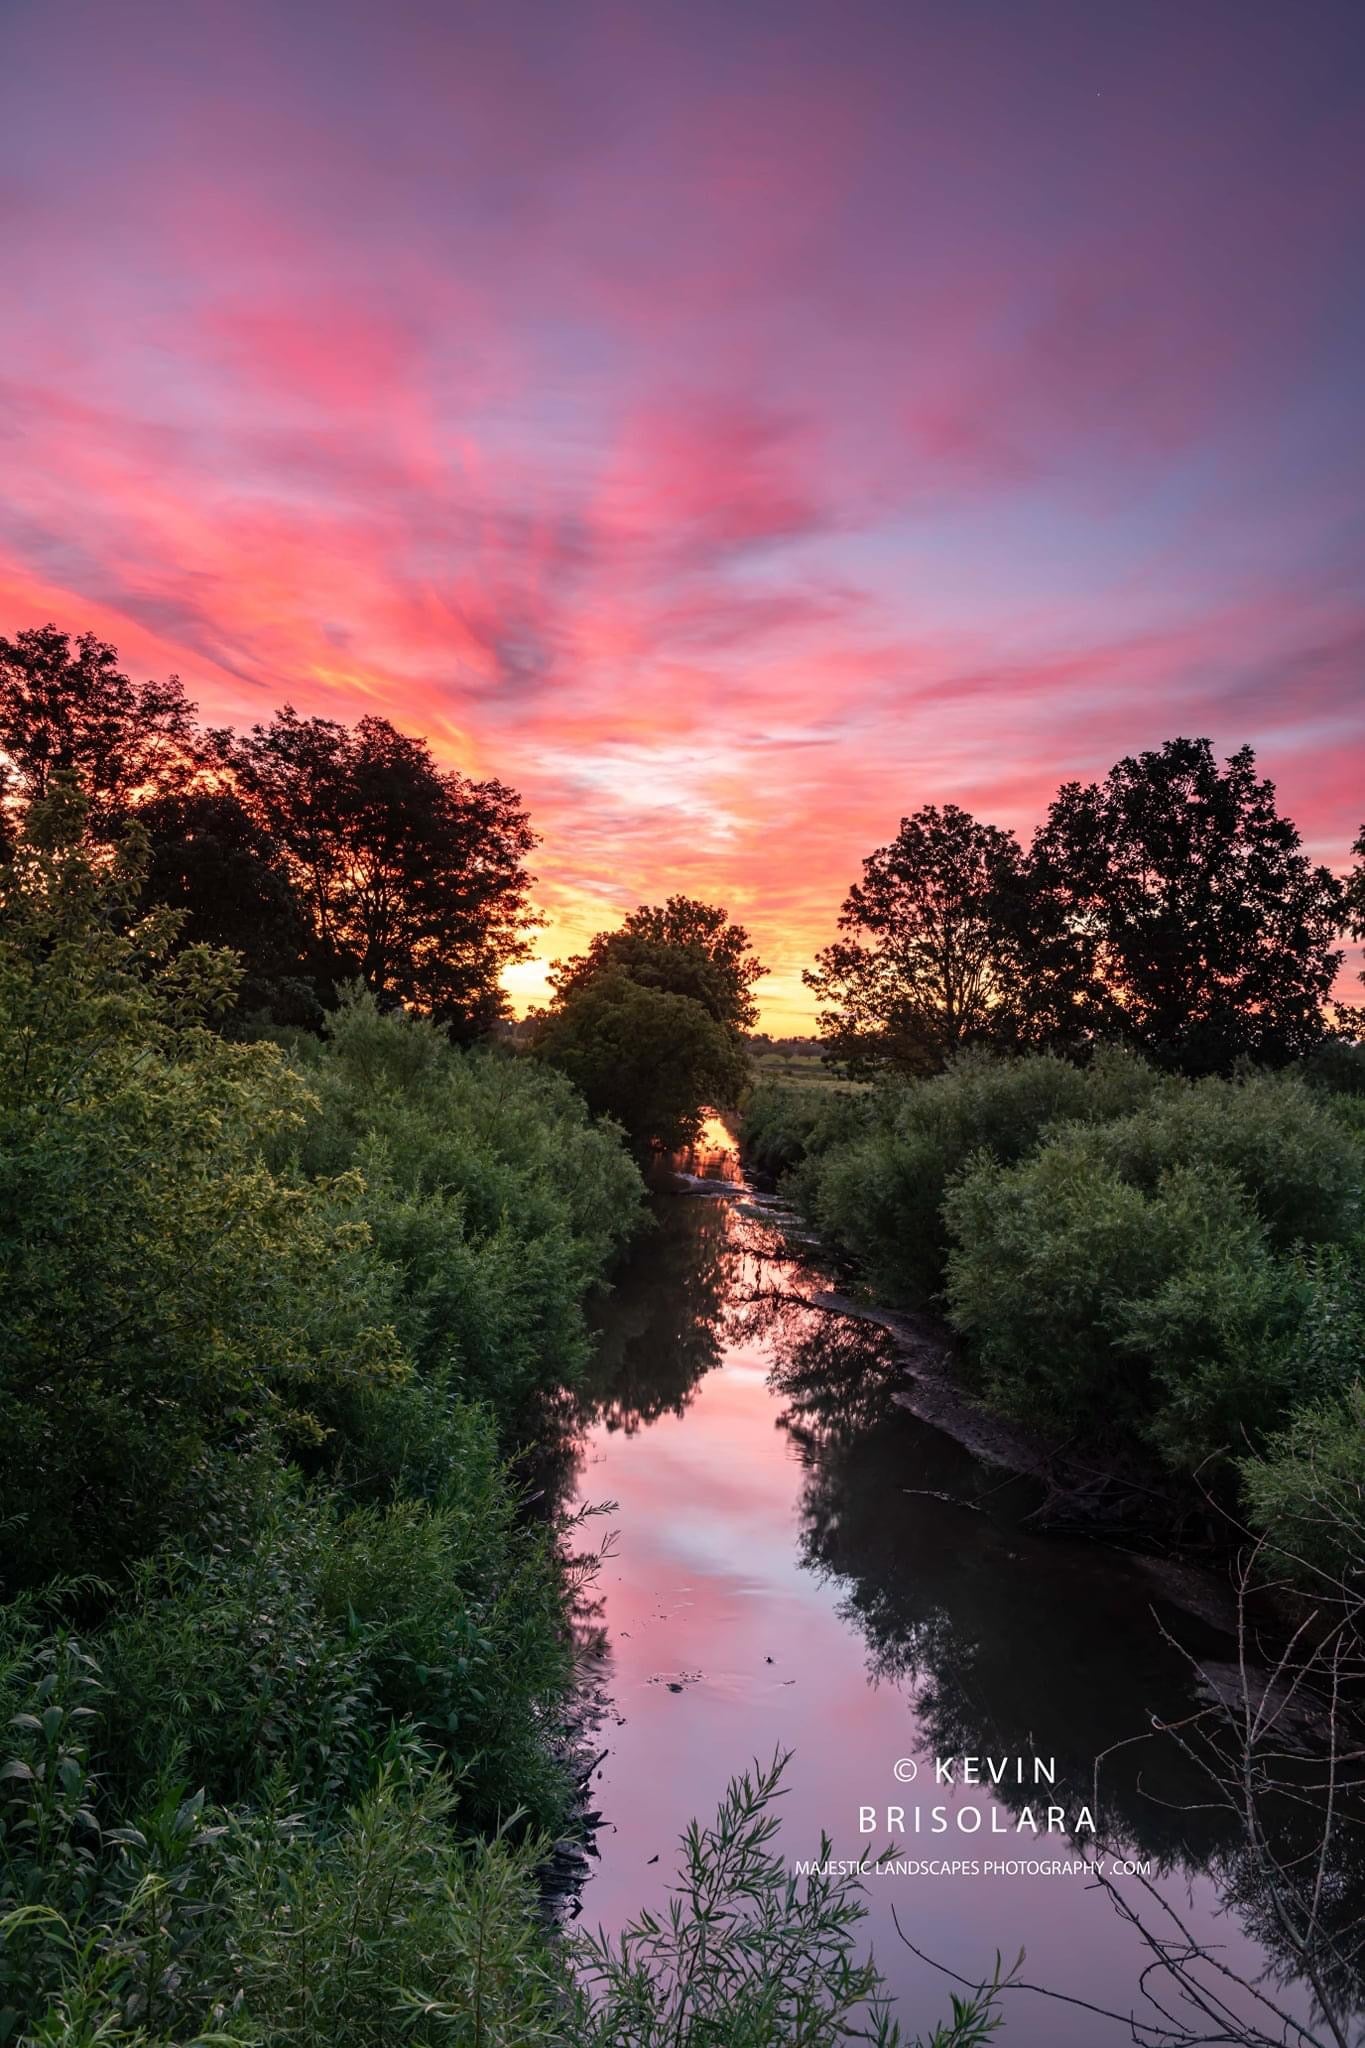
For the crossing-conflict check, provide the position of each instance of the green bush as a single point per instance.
(486, 1186)
(880, 1195)
(1100, 1307)
(198, 1924)
(162, 1291)
(296, 1635)
(785, 1123)
(1142, 1275)
(1306, 1492)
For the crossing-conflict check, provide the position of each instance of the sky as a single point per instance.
(732, 425)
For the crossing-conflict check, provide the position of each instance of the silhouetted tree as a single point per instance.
(208, 857)
(68, 709)
(412, 878)
(1354, 901)
(1211, 930)
(682, 947)
(934, 956)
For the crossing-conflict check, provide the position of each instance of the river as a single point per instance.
(799, 1563)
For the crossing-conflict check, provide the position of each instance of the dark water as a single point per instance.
(802, 1564)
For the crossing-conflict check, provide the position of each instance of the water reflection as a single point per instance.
(1008, 1642)
(803, 1563)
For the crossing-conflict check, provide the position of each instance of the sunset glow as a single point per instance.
(733, 426)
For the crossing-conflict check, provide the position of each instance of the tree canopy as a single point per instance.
(320, 853)
(932, 958)
(413, 878)
(1170, 905)
(651, 1059)
(1212, 931)
(649, 1023)
(684, 948)
(68, 709)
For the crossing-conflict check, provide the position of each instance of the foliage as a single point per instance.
(786, 1123)
(319, 853)
(747, 1954)
(195, 1923)
(683, 948)
(1139, 1276)
(878, 1193)
(1131, 1258)
(487, 1189)
(1170, 906)
(1306, 1490)
(649, 1023)
(932, 963)
(211, 860)
(68, 711)
(1212, 930)
(1354, 897)
(412, 878)
(653, 1061)
(298, 1634)
(160, 1285)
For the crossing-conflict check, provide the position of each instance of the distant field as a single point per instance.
(797, 1069)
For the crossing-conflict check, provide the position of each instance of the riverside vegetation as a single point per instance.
(1135, 1260)
(283, 1665)
(291, 1241)
(1113, 1131)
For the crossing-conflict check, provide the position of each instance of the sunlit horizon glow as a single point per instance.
(731, 426)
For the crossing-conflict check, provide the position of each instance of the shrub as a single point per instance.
(746, 1954)
(1139, 1275)
(880, 1195)
(162, 1291)
(784, 1124)
(290, 1642)
(1306, 1491)
(485, 1185)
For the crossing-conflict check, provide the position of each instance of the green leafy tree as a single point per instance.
(652, 1060)
(159, 1286)
(211, 860)
(413, 878)
(682, 947)
(1211, 931)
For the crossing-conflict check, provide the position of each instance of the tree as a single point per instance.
(649, 1058)
(211, 860)
(412, 878)
(70, 710)
(650, 1021)
(935, 948)
(162, 1293)
(1354, 908)
(683, 947)
(1211, 931)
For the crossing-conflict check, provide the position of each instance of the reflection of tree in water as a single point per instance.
(659, 1331)
(1015, 1647)
(663, 1327)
